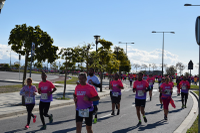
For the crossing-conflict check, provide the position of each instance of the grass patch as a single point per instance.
(194, 127)
(194, 87)
(63, 98)
(12, 88)
(73, 80)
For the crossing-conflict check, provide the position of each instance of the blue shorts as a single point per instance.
(95, 102)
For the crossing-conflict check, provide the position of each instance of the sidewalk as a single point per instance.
(10, 103)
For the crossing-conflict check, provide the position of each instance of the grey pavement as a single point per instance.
(64, 117)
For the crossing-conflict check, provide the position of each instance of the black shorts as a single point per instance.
(116, 99)
(111, 94)
(140, 102)
(88, 120)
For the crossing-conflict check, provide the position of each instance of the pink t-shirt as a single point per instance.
(151, 80)
(140, 86)
(166, 88)
(172, 83)
(46, 87)
(185, 86)
(114, 83)
(80, 92)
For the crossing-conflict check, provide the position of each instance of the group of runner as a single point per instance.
(45, 89)
(86, 97)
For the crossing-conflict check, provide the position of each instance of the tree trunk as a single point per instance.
(24, 75)
(65, 80)
(101, 76)
(109, 78)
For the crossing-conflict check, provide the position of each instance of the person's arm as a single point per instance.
(54, 89)
(39, 90)
(96, 98)
(97, 85)
(22, 92)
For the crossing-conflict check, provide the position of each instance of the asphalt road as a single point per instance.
(64, 118)
(15, 76)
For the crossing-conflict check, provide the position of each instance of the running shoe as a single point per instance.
(139, 123)
(51, 118)
(34, 119)
(113, 113)
(165, 117)
(27, 126)
(161, 106)
(118, 112)
(150, 98)
(183, 106)
(95, 120)
(145, 119)
(44, 127)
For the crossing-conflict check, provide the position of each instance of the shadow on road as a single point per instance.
(17, 130)
(152, 112)
(174, 111)
(153, 125)
(104, 112)
(126, 129)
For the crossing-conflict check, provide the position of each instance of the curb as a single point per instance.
(37, 108)
(189, 120)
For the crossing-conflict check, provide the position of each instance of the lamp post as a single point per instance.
(2, 2)
(126, 44)
(199, 76)
(163, 32)
(117, 49)
(10, 57)
(96, 38)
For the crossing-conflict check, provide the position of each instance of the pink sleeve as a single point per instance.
(93, 92)
(75, 92)
(161, 86)
(134, 86)
(35, 89)
(120, 84)
(147, 84)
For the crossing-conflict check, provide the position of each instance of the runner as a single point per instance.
(159, 79)
(166, 90)
(45, 89)
(185, 86)
(131, 80)
(94, 81)
(83, 96)
(116, 86)
(160, 90)
(140, 87)
(178, 80)
(151, 81)
(29, 92)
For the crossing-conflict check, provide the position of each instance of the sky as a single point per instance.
(72, 23)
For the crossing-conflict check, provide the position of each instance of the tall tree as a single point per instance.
(144, 66)
(21, 38)
(171, 70)
(136, 66)
(69, 55)
(180, 66)
(154, 66)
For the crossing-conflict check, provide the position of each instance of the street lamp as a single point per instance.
(126, 44)
(163, 44)
(96, 38)
(2, 2)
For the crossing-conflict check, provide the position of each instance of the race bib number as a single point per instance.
(44, 96)
(184, 88)
(168, 92)
(115, 94)
(84, 112)
(140, 93)
(29, 100)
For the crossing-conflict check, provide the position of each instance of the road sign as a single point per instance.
(190, 65)
(197, 30)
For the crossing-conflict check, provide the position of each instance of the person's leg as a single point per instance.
(138, 112)
(150, 94)
(79, 121)
(182, 99)
(46, 109)
(78, 127)
(41, 109)
(88, 122)
(186, 97)
(28, 108)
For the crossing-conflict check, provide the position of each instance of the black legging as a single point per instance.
(184, 96)
(44, 108)
(29, 108)
(95, 110)
(131, 83)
